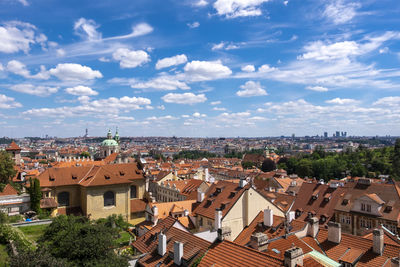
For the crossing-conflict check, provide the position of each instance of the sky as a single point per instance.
(199, 68)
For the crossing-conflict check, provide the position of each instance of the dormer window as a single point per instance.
(107, 177)
(366, 207)
(51, 178)
(121, 173)
(74, 176)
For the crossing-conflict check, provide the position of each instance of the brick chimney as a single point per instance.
(259, 241)
(268, 217)
(224, 233)
(377, 240)
(178, 252)
(334, 232)
(218, 219)
(200, 196)
(290, 216)
(293, 257)
(313, 227)
(162, 244)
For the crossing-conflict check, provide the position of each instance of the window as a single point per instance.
(133, 191)
(201, 221)
(365, 223)
(368, 208)
(63, 199)
(362, 206)
(109, 199)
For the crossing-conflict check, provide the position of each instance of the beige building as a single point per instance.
(170, 191)
(231, 206)
(94, 191)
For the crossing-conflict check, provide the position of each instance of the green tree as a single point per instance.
(396, 160)
(247, 164)
(81, 242)
(85, 154)
(304, 168)
(268, 165)
(7, 170)
(35, 258)
(35, 194)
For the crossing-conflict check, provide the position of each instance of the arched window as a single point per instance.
(63, 199)
(109, 199)
(133, 191)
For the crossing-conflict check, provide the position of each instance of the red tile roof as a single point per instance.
(13, 146)
(137, 205)
(8, 191)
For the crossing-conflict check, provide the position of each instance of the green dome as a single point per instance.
(109, 142)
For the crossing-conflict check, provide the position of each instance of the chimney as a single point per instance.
(224, 233)
(395, 261)
(200, 196)
(293, 257)
(334, 232)
(259, 241)
(313, 227)
(218, 219)
(185, 213)
(155, 215)
(162, 244)
(207, 175)
(242, 183)
(178, 252)
(268, 217)
(378, 243)
(290, 216)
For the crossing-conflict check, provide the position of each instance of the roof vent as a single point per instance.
(51, 178)
(107, 177)
(121, 173)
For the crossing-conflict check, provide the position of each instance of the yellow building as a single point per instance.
(95, 191)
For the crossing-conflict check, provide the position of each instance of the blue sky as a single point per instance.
(199, 68)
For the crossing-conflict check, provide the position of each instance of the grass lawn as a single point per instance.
(33, 232)
(124, 239)
(3, 255)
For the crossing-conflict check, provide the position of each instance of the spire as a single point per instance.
(116, 137)
(109, 134)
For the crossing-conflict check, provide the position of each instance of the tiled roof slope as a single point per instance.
(193, 247)
(388, 193)
(147, 242)
(356, 245)
(222, 192)
(230, 254)
(278, 228)
(13, 146)
(324, 203)
(8, 190)
(91, 175)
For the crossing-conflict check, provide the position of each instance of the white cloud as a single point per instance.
(84, 99)
(193, 25)
(215, 103)
(384, 50)
(341, 101)
(225, 46)
(251, 88)
(87, 29)
(163, 82)
(24, 2)
(131, 58)
(19, 68)
(340, 12)
(218, 46)
(81, 91)
(161, 107)
(239, 8)
(206, 70)
(285, 3)
(104, 59)
(19, 36)
(37, 90)
(219, 109)
(111, 106)
(8, 102)
(321, 51)
(199, 115)
(171, 61)
(317, 88)
(60, 52)
(201, 3)
(186, 98)
(248, 68)
(137, 30)
(389, 101)
(74, 72)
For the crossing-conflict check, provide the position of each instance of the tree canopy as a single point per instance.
(268, 165)
(7, 170)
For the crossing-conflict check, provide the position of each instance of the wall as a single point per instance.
(95, 201)
(74, 194)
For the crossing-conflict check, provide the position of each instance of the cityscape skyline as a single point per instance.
(199, 68)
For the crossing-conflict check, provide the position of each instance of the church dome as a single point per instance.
(109, 142)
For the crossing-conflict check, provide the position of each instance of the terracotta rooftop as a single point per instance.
(193, 248)
(166, 208)
(8, 190)
(230, 254)
(137, 205)
(91, 175)
(13, 146)
(223, 191)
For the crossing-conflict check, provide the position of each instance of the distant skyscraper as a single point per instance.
(325, 134)
(337, 134)
(86, 132)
